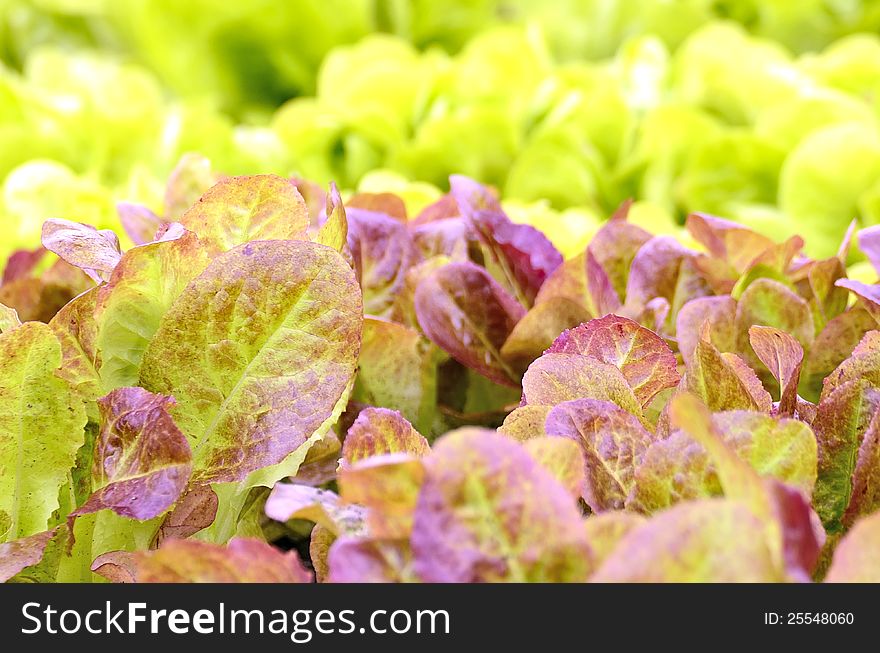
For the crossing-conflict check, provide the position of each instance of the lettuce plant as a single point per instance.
(435, 398)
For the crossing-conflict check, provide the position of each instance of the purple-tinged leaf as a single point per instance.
(77, 331)
(869, 294)
(379, 431)
(524, 254)
(615, 246)
(470, 316)
(791, 529)
(646, 362)
(369, 560)
(243, 560)
(555, 378)
(802, 534)
(22, 263)
(865, 497)
(129, 308)
(290, 501)
(869, 243)
(383, 252)
(525, 423)
(612, 442)
(827, 299)
(321, 462)
(142, 461)
(673, 470)
(711, 540)
(448, 237)
(569, 280)
(397, 369)
(783, 356)
(190, 179)
(238, 210)
(41, 430)
(602, 297)
(194, 512)
(843, 418)
(486, 512)
(728, 241)
(139, 222)
(116, 566)
(864, 363)
(781, 448)
(661, 269)
(271, 334)
(19, 554)
(443, 208)
(833, 345)
(769, 303)
(719, 312)
(724, 381)
(95, 252)
(857, 557)
(605, 531)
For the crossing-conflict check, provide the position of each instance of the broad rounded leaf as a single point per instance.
(555, 378)
(489, 512)
(719, 312)
(525, 423)
(647, 363)
(388, 487)
(238, 210)
(383, 252)
(378, 431)
(397, 369)
(257, 350)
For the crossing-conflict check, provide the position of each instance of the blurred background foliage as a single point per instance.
(765, 111)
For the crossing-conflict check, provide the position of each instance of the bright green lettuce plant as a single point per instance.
(684, 115)
(438, 398)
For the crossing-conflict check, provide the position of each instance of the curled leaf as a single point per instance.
(95, 252)
(783, 356)
(142, 460)
(467, 314)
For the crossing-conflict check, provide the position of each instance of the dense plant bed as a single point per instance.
(442, 395)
